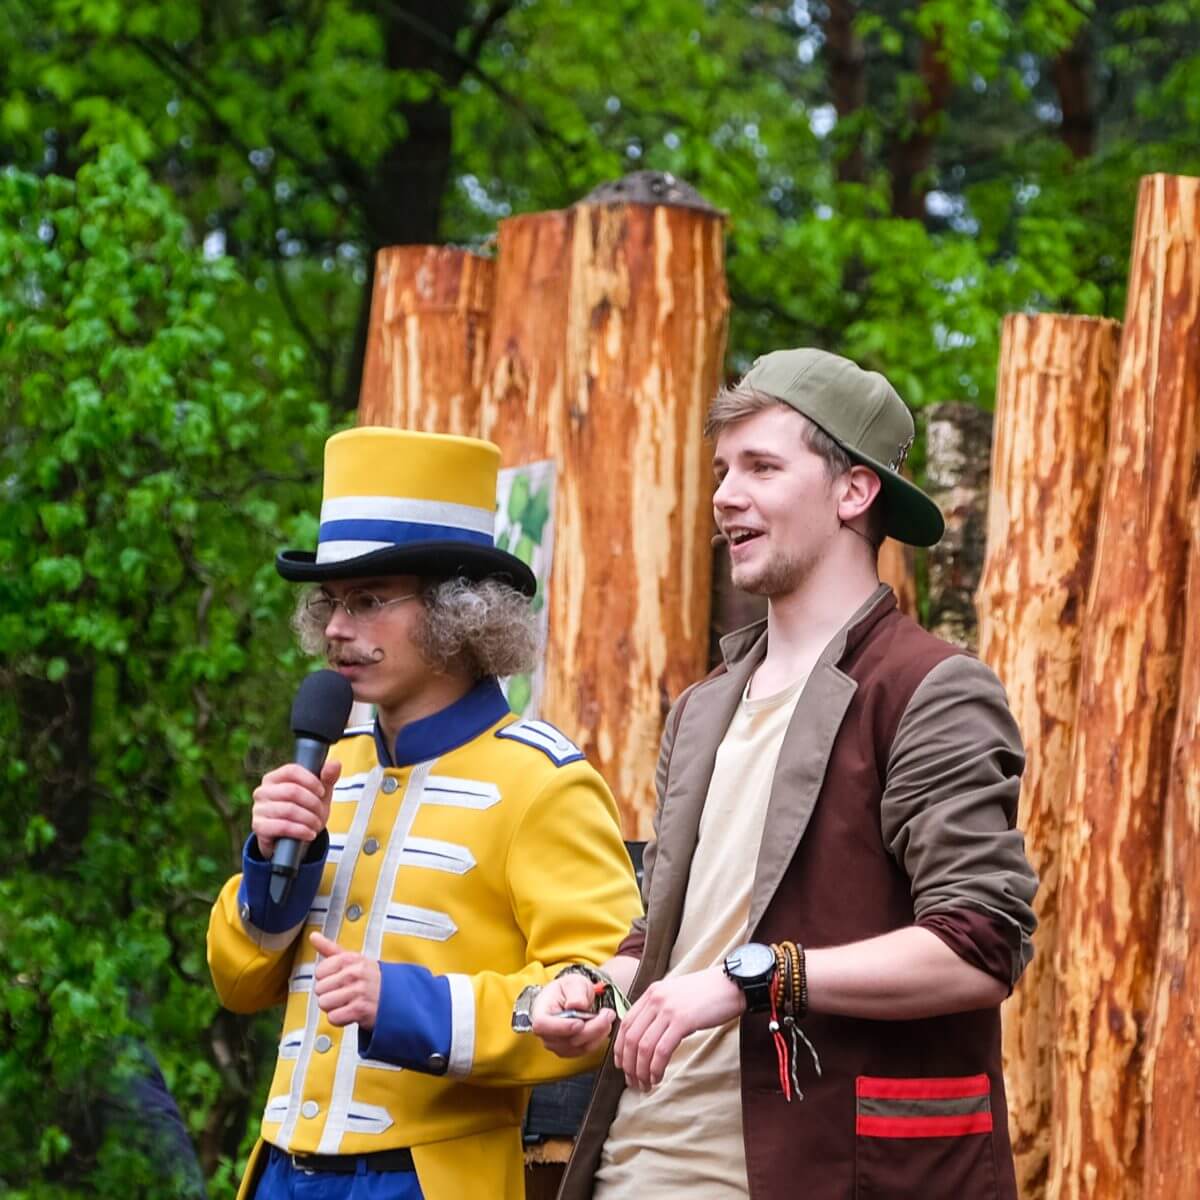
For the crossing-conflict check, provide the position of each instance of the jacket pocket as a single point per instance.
(927, 1138)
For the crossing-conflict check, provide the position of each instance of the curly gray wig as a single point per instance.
(487, 626)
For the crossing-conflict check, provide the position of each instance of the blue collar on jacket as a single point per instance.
(454, 726)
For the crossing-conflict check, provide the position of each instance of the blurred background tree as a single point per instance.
(191, 201)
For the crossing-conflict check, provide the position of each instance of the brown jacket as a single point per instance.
(893, 803)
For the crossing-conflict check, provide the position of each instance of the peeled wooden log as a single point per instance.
(1128, 692)
(427, 343)
(606, 348)
(958, 445)
(1173, 1039)
(1053, 396)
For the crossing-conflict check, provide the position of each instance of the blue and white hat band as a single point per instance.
(356, 525)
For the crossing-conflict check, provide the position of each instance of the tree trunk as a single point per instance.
(912, 153)
(606, 348)
(400, 196)
(1071, 72)
(1129, 678)
(958, 449)
(428, 342)
(847, 60)
(1172, 1045)
(1051, 428)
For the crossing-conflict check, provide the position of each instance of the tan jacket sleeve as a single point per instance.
(949, 805)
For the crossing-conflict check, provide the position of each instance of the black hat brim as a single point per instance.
(910, 516)
(441, 560)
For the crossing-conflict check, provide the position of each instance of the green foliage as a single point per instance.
(737, 100)
(159, 450)
(163, 428)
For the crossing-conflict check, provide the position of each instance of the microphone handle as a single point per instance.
(310, 753)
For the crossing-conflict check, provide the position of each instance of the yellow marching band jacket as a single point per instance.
(476, 856)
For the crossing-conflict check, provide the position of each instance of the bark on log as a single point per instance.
(426, 350)
(1173, 1041)
(606, 347)
(1053, 397)
(1129, 680)
(958, 446)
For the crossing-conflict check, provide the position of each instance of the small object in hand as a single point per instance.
(607, 994)
(575, 1014)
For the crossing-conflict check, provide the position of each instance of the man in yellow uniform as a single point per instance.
(455, 854)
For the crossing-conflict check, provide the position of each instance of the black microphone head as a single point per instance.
(322, 706)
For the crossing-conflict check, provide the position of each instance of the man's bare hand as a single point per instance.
(570, 1037)
(347, 984)
(292, 802)
(666, 1013)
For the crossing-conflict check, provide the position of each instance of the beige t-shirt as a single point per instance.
(686, 1133)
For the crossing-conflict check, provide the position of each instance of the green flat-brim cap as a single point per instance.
(863, 413)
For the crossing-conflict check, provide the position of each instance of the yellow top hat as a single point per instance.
(403, 503)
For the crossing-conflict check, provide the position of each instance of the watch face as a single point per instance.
(751, 961)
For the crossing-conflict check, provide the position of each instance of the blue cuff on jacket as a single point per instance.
(413, 1021)
(254, 893)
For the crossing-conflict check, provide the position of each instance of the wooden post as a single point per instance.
(427, 342)
(1129, 679)
(958, 444)
(1051, 428)
(731, 607)
(1173, 1041)
(897, 568)
(606, 348)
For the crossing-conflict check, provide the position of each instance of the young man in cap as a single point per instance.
(455, 855)
(837, 900)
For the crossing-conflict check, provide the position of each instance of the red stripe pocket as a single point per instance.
(953, 1088)
(922, 1127)
(956, 1106)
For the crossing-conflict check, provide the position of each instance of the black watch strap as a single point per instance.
(758, 995)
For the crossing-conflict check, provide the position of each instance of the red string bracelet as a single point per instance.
(781, 1050)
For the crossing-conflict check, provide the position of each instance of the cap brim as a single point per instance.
(909, 515)
(445, 560)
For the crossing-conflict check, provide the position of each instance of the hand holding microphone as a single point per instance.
(291, 805)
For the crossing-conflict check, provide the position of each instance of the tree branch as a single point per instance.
(468, 67)
(482, 31)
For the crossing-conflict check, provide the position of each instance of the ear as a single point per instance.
(860, 486)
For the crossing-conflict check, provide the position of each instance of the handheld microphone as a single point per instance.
(319, 715)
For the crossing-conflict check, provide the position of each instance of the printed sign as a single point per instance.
(525, 527)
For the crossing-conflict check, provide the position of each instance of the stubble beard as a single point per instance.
(780, 574)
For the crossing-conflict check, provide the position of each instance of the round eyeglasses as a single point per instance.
(359, 605)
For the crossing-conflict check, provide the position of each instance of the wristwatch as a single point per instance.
(752, 968)
(522, 1014)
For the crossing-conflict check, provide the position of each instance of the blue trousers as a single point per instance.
(281, 1181)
